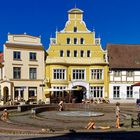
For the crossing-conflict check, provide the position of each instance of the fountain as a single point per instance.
(86, 112)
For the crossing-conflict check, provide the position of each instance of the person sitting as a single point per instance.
(91, 124)
(4, 116)
(61, 106)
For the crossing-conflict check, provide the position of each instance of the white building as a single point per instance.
(124, 65)
(24, 69)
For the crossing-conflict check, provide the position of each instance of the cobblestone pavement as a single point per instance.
(50, 123)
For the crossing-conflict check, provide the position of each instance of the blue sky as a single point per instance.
(115, 21)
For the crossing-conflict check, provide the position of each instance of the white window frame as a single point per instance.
(58, 94)
(97, 91)
(129, 92)
(20, 93)
(95, 71)
(77, 69)
(130, 73)
(117, 73)
(59, 73)
(16, 72)
(16, 55)
(116, 91)
(32, 73)
(32, 56)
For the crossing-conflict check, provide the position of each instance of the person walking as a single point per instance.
(117, 111)
(4, 116)
(61, 106)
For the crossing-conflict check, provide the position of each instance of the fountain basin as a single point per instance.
(80, 113)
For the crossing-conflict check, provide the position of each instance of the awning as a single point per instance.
(51, 89)
(71, 89)
(136, 84)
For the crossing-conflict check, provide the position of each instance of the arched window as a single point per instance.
(75, 41)
(82, 41)
(68, 40)
(61, 53)
(75, 29)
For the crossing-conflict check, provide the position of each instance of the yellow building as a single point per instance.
(76, 64)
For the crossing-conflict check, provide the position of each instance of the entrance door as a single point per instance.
(78, 94)
(6, 94)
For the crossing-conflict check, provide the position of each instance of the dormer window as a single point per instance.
(75, 29)
(75, 40)
(68, 40)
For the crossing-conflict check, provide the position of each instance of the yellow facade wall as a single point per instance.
(96, 60)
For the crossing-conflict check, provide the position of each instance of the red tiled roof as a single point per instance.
(124, 56)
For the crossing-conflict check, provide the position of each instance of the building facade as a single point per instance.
(76, 64)
(24, 69)
(124, 65)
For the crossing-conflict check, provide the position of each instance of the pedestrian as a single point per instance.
(117, 111)
(4, 116)
(61, 106)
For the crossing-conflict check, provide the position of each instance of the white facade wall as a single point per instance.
(123, 81)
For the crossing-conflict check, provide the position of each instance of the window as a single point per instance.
(88, 53)
(96, 92)
(18, 94)
(16, 72)
(129, 73)
(104, 57)
(129, 92)
(59, 74)
(117, 73)
(82, 41)
(61, 53)
(97, 42)
(68, 40)
(75, 41)
(16, 55)
(60, 92)
(82, 53)
(78, 74)
(97, 74)
(32, 73)
(68, 53)
(75, 53)
(32, 94)
(75, 29)
(116, 91)
(32, 56)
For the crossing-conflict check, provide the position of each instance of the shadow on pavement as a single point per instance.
(119, 135)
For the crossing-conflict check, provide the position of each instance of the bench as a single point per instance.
(135, 122)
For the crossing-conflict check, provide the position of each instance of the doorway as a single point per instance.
(78, 93)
